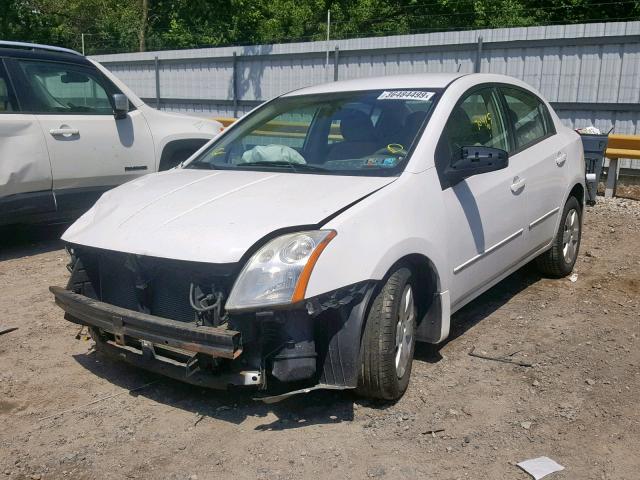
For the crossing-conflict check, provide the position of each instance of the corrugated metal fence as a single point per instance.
(590, 72)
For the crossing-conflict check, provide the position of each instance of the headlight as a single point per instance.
(278, 273)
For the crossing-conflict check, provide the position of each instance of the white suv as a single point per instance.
(313, 242)
(69, 130)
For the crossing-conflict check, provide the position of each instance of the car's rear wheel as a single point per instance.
(388, 340)
(560, 259)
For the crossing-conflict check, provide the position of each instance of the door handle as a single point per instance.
(518, 184)
(64, 131)
(561, 158)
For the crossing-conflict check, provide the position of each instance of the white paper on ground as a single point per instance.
(540, 467)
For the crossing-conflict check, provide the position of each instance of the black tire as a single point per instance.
(379, 378)
(553, 263)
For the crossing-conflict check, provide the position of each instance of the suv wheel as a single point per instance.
(388, 341)
(558, 261)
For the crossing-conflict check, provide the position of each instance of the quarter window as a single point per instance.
(477, 120)
(61, 88)
(528, 116)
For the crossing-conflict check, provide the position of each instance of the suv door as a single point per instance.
(486, 212)
(90, 150)
(542, 160)
(25, 171)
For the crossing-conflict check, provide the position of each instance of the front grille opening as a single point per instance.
(152, 285)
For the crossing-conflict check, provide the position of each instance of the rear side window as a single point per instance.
(528, 116)
(63, 88)
(7, 99)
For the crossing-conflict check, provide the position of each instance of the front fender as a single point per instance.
(405, 217)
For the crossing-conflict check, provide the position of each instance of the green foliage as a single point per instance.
(116, 25)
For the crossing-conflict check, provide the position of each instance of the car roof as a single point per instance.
(427, 81)
(41, 52)
(418, 80)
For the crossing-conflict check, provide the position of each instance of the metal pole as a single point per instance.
(612, 179)
(234, 85)
(336, 59)
(326, 65)
(157, 67)
(82, 37)
(476, 67)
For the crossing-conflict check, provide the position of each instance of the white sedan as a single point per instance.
(317, 239)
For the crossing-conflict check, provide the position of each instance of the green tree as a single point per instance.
(130, 25)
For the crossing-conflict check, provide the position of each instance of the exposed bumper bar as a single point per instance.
(121, 322)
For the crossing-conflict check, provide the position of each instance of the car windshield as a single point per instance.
(345, 133)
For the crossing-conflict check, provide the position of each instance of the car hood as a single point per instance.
(212, 216)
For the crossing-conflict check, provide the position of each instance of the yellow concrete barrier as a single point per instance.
(623, 146)
(619, 146)
(285, 129)
(225, 121)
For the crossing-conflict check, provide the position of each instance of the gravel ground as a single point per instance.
(67, 412)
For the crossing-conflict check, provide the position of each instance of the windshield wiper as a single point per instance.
(295, 167)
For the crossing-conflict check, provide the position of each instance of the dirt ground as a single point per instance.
(67, 412)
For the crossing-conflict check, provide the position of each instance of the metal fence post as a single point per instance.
(612, 178)
(336, 60)
(234, 85)
(157, 67)
(476, 66)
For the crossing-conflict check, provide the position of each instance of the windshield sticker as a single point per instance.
(419, 95)
(381, 162)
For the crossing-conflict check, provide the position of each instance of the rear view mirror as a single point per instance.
(74, 77)
(120, 106)
(474, 160)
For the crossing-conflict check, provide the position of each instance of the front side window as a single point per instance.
(7, 100)
(62, 88)
(345, 133)
(476, 120)
(528, 117)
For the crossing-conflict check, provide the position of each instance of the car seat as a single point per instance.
(359, 137)
(462, 131)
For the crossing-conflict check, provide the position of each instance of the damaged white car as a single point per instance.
(316, 240)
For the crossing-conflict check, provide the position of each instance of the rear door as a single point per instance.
(90, 150)
(485, 212)
(542, 161)
(25, 171)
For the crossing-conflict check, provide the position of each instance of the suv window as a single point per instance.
(477, 120)
(528, 116)
(7, 100)
(65, 88)
(288, 129)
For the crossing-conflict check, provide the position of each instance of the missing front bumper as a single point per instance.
(122, 323)
(312, 348)
(186, 369)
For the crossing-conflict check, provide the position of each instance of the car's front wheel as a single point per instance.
(559, 260)
(388, 340)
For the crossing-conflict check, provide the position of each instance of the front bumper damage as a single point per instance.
(296, 350)
(161, 345)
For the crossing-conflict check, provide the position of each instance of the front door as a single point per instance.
(485, 211)
(25, 172)
(90, 150)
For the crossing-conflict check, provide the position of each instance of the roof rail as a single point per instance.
(36, 46)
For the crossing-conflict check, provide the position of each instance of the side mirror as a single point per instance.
(475, 160)
(120, 106)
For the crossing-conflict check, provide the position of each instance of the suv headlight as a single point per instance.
(278, 273)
